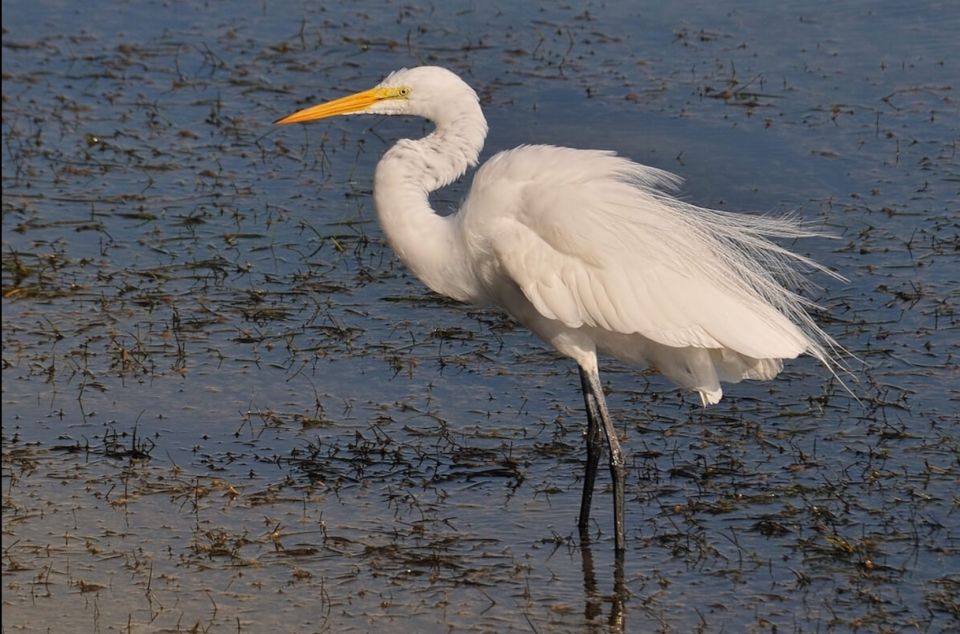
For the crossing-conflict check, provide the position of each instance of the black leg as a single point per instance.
(594, 449)
(597, 408)
(619, 597)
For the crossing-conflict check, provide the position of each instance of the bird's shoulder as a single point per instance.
(533, 165)
(565, 195)
(548, 183)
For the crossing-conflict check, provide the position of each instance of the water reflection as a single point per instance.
(593, 600)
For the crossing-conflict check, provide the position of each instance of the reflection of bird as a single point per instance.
(586, 250)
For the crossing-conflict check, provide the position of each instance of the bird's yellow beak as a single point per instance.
(350, 104)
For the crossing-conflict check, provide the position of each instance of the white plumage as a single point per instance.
(589, 251)
(594, 243)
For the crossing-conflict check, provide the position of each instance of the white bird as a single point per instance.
(589, 251)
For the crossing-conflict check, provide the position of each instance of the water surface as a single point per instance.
(227, 407)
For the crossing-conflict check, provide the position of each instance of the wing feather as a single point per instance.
(595, 241)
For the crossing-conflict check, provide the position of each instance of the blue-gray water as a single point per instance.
(226, 407)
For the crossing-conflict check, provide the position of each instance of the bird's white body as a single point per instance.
(587, 250)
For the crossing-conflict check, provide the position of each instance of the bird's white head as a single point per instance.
(431, 92)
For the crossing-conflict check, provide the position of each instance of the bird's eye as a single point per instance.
(403, 91)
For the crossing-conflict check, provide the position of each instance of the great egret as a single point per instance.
(590, 252)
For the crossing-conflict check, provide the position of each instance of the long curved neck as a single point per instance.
(430, 245)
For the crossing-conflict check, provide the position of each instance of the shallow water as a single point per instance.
(226, 407)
